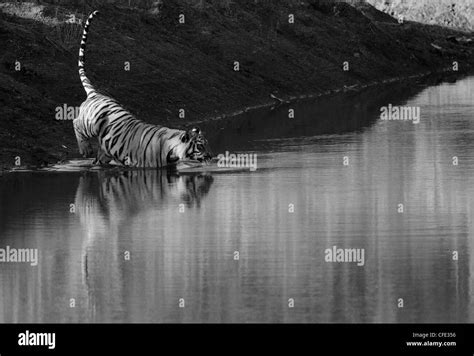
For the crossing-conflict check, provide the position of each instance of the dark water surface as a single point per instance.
(190, 254)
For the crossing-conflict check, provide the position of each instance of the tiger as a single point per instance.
(125, 140)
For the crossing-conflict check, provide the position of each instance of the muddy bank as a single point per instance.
(191, 65)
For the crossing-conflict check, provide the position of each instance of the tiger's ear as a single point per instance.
(185, 137)
(190, 133)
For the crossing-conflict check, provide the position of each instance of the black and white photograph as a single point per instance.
(257, 162)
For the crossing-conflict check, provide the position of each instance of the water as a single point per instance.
(191, 255)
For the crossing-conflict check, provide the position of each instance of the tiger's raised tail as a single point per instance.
(82, 73)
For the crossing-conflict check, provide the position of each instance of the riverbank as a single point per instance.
(191, 65)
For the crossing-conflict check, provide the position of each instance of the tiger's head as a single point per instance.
(193, 146)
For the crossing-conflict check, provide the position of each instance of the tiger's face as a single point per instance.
(193, 147)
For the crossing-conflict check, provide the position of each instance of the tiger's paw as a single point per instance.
(102, 158)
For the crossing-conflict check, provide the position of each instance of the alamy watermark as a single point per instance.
(335, 254)
(28, 338)
(240, 160)
(23, 255)
(66, 112)
(402, 113)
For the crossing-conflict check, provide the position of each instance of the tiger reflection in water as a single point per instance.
(114, 208)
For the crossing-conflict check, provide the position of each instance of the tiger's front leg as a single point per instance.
(83, 140)
(102, 158)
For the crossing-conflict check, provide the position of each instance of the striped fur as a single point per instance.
(125, 140)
